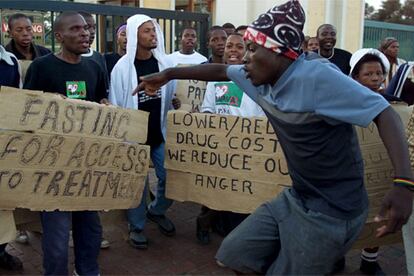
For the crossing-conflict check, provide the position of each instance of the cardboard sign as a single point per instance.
(235, 164)
(191, 94)
(223, 162)
(35, 111)
(69, 155)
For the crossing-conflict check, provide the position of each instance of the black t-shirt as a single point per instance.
(84, 80)
(37, 50)
(150, 104)
(111, 60)
(341, 59)
(100, 60)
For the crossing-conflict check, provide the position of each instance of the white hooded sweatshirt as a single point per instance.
(124, 76)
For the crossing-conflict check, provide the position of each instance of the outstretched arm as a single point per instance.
(398, 202)
(206, 72)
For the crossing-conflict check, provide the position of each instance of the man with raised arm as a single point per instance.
(312, 106)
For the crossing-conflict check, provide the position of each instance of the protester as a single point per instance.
(326, 35)
(21, 34)
(9, 76)
(309, 226)
(60, 73)
(229, 28)
(241, 29)
(145, 55)
(208, 218)
(402, 84)
(216, 40)
(390, 47)
(369, 67)
(9, 69)
(313, 44)
(121, 42)
(187, 53)
(92, 54)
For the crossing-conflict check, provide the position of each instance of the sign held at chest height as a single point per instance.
(88, 158)
(191, 94)
(223, 161)
(50, 113)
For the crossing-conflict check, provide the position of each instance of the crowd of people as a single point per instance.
(311, 92)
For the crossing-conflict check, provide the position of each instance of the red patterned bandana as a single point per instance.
(279, 29)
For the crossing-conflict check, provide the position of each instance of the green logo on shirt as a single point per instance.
(228, 93)
(76, 89)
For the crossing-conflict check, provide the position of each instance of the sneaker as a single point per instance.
(10, 262)
(164, 224)
(138, 240)
(105, 244)
(371, 268)
(22, 237)
(339, 266)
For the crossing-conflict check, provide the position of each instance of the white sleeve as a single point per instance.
(116, 88)
(209, 102)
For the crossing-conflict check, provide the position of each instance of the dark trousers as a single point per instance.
(2, 248)
(222, 222)
(87, 234)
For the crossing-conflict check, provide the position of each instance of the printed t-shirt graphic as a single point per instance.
(76, 89)
(227, 94)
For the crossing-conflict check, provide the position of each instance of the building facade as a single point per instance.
(346, 15)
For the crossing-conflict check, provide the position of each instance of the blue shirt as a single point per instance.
(312, 108)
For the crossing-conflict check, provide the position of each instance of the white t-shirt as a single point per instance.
(194, 58)
(228, 99)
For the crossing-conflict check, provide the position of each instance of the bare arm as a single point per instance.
(397, 202)
(206, 72)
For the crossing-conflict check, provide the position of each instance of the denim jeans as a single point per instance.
(282, 237)
(87, 235)
(137, 216)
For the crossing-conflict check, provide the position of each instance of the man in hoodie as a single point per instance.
(145, 54)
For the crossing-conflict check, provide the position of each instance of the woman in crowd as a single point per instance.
(369, 67)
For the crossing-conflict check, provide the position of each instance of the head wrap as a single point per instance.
(387, 43)
(358, 55)
(121, 28)
(279, 29)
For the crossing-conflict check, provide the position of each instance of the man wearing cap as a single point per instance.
(312, 106)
